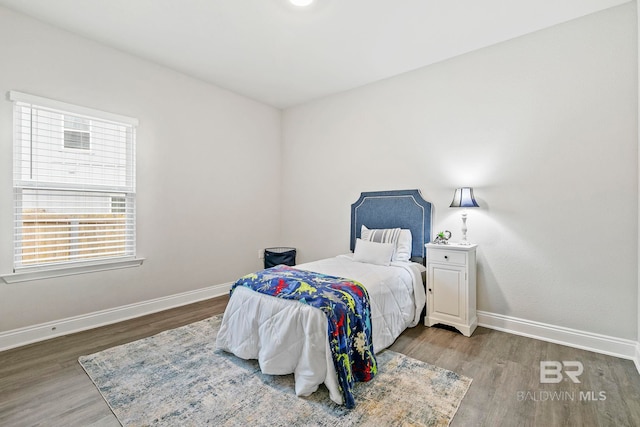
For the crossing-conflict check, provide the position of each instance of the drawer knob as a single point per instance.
(446, 257)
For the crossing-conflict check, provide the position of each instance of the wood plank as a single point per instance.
(43, 384)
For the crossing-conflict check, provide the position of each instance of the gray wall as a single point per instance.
(207, 163)
(544, 127)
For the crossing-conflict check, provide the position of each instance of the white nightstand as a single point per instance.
(451, 286)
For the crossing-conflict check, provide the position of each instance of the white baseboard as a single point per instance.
(45, 331)
(619, 347)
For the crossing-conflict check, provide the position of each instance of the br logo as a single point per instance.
(552, 371)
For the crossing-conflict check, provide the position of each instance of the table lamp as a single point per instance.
(463, 198)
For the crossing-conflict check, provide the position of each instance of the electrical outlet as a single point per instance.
(260, 253)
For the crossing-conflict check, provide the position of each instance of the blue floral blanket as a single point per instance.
(346, 305)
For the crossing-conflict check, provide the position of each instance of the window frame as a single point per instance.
(82, 265)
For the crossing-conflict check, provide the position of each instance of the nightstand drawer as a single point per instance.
(446, 257)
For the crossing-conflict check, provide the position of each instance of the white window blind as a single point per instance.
(74, 184)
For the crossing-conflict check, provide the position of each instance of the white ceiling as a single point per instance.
(282, 55)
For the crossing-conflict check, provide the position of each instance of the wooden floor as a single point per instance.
(43, 385)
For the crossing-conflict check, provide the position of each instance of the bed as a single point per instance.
(287, 337)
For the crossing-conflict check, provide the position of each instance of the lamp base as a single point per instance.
(464, 229)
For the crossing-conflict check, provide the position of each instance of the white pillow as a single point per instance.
(403, 247)
(401, 238)
(373, 252)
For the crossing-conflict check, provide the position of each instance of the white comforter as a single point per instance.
(288, 337)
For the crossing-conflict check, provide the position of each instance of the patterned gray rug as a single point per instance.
(178, 378)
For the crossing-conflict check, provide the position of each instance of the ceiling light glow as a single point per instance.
(301, 3)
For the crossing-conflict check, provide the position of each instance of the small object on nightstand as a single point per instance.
(442, 238)
(451, 286)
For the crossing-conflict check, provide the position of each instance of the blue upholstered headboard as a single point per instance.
(393, 209)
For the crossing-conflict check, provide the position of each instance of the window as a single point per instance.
(118, 204)
(76, 133)
(74, 184)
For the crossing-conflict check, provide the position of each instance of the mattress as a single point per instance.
(289, 337)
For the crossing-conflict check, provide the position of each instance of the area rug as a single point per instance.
(179, 378)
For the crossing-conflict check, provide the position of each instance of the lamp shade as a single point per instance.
(463, 198)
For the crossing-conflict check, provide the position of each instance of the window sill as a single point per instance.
(42, 273)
